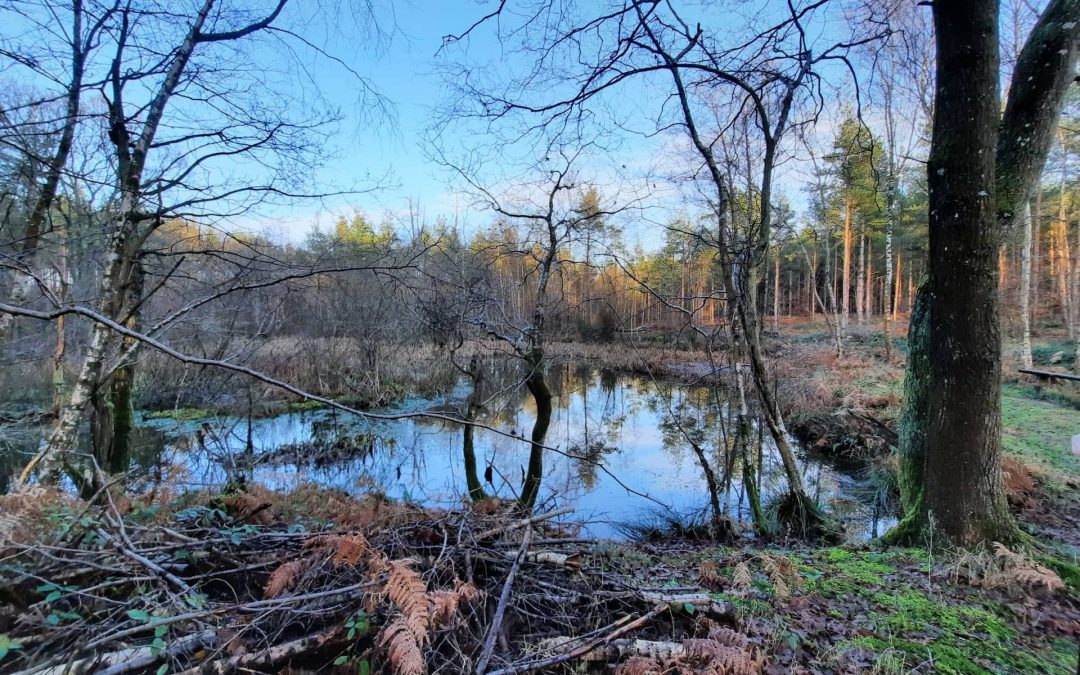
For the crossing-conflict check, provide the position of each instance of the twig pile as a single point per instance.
(235, 589)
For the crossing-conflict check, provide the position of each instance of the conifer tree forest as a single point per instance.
(512, 336)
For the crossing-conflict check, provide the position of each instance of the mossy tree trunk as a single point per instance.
(113, 409)
(978, 180)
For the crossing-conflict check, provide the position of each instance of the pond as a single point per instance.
(623, 444)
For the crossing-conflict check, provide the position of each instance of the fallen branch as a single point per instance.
(583, 650)
(500, 609)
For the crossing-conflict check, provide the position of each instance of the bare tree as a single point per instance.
(767, 77)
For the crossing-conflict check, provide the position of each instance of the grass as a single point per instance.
(1039, 432)
(1059, 353)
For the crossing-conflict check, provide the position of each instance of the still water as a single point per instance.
(624, 452)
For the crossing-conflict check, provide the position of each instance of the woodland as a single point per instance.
(750, 344)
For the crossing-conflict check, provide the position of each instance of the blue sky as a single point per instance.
(405, 71)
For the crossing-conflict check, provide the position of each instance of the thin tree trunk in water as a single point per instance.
(62, 439)
(542, 397)
(113, 408)
(472, 475)
(911, 428)
(749, 463)
(1025, 289)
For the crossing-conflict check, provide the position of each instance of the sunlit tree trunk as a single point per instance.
(860, 281)
(1025, 289)
(845, 292)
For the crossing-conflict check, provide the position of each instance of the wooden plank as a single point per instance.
(1048, 375)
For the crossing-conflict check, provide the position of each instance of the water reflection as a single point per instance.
(626, 445)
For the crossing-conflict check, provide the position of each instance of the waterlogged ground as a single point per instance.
(624, 445)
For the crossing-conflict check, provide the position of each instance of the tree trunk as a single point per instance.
(541, 394)
(1036, 259)
(964, 496)
(776, 292)
(1061, 244)
(113, 407)
(860, 281)
(845, 292)
(22, 285)
(1025, 290)
(472, 476)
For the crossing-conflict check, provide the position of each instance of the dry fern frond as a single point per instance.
(409, 594)
(742, 578)
(709, 575)
(448, 603)
(347, 549)
(402, 650)
(729, 637)
(249, 508)
(351, 549)
(284, 578)
(1018, 571)
(782, 573)
(714, 657)
(639, 665)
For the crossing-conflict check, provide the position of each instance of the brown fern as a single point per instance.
(782, 573)
(729, 655)
(284, 578)
(448, 603)
(639, 665)
(729, 637)
(402, 649)
(346, 549)
(408, 592)
(709, 575)
(248, 508)
(1015, 570)
(741, 579)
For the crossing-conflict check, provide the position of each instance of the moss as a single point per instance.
(963, 658)
(844, 573)
(746, 606)
(915, 628)
(179, 414)
(305, 406)
(1060, 353)
(913, 611)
